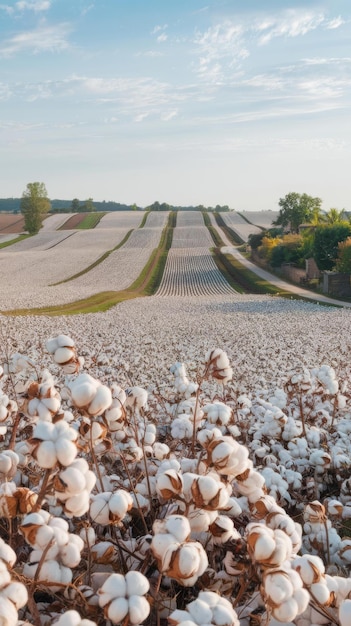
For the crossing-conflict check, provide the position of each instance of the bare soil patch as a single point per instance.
(73, 221)
(11, 223)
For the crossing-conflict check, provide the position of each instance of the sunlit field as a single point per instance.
(181, 459)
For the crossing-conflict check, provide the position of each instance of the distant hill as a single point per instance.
(12, 205)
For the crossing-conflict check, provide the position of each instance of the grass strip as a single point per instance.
(146, 284)
(90, 220)
(5, 244)
(216, 238)
(231, 234)
(97, 262)
(143, 221)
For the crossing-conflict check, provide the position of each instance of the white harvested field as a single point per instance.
(192, 272)
(190, 269)
(261, 218)
(191, 231)
(239, 225)
(50, 257)
(120, 219)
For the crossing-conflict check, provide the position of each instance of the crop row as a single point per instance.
(192, 273)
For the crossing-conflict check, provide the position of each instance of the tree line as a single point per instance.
(302, 231)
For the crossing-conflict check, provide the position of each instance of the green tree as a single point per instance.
(335, 216)
(296, 209)
(89, 205)
(75, 205)
(326, 240)
(35, 204)
(343, 262)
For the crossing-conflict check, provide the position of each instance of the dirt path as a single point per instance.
(274, 280)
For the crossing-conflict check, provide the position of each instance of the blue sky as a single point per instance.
(189, 102)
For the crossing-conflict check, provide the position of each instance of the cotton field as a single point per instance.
(178, 460)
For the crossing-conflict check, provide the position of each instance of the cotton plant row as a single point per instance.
(128, 512)
(192, 272)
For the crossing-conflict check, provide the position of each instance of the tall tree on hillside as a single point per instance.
(75, 205)
(296, 209)
(35, 204)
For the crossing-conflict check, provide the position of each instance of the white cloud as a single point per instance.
(158, 28)
(335, 23)
(42, 39)
(290, 24)
(162, 38)
(166, 117)
(33, 5)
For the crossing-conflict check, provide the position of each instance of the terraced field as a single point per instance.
(261, 218)
(190, 269)
(239, 225)
(37, 263)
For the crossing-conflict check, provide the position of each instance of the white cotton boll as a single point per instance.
(77, 505)
(137, 584)
(200, 519)
(182, 428)
(320, 591)
(70, 555)
(8, 613)
(44, 534)
(7, 554)
(117, 610)
(178, 526)
(200, 611)
(120, 502)
(66, 451)
(224, 615)
(162, 545)
(16, 593)
(63, 355)
(44, 431)
(160, 450)
(345, 613)
(115, 586)
(73, 479)
(72, 618)
(233, 508)
(139, 609)
(205, 435)
(99, 509)
(310, 568)
(278, 587)
(136, 397)
(287, 611)
(83, 390)
(101, 401)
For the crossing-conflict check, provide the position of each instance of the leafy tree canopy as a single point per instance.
(326, 240)
(35, 204)
(296, 209)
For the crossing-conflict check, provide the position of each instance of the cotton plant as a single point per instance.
(40, 399)
(13, 596)
(64, 353)
(122, 598)
(208, 608)
(55, 552)
(177, 556)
